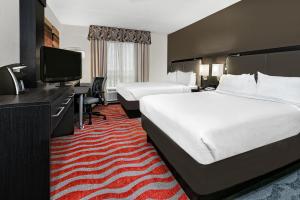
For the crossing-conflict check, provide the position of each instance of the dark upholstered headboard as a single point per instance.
(186, 66)
(284, 63)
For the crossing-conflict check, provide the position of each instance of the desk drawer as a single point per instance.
(59, 109)
(62, 101)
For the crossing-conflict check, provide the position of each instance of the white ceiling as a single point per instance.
(161, 16)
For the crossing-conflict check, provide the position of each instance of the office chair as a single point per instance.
(96, 97)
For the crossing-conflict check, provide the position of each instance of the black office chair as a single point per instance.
(96, 97)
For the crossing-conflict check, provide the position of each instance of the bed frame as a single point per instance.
(242, 173)
(131, 108)
(224, 178)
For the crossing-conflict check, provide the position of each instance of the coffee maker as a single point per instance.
(11, 82)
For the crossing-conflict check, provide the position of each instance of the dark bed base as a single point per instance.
(132, 113)
(228, 178)
(131, 108)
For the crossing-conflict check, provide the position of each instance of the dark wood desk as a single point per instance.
(81, 91)
(86, 85)
(27, 121)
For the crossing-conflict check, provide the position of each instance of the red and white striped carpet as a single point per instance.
(110, 160)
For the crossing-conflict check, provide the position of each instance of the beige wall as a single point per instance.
(76, 37)
(73, 37)
(70, 36)
(52, 18)
(158, 57)
(10, 32)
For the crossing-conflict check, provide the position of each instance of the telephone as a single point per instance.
(209, 89)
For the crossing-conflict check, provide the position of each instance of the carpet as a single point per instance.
(112, 160)
(285, 188)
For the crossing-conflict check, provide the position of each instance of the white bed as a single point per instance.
(135, 91)
(212, 126)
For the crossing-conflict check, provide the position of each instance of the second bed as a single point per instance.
(129, 94)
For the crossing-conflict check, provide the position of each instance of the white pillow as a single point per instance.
(244, 84)
(279, 88)
(186, 78)
(172, 77)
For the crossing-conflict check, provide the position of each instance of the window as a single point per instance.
(121, 63)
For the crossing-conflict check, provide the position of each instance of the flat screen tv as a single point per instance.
(59, 65)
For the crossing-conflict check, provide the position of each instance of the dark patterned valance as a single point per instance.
(119, 34)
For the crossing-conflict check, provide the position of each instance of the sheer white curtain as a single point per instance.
(121, 63)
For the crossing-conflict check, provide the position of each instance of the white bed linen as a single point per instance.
(211, 126)
(135, 91)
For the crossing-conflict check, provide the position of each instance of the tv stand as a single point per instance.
(27, 123)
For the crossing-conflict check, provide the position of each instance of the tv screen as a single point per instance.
(58, 65)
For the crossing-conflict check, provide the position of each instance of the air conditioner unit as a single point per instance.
(111, 95)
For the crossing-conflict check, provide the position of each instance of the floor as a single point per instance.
(286, 188)
(112, 160)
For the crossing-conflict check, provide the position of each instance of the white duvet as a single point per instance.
(211, 126)
(135, 91)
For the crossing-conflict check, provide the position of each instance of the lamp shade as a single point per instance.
(217, 70)
(204, 70)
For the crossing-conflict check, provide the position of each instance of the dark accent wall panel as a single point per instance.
(43, 2)
(31, 39)
(245, 26)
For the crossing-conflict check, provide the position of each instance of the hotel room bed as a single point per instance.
(213, 155)
(129, 94)
(212, 126)
(229, 176)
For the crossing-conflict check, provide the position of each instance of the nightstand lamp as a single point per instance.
(217, 70)
(203, 72)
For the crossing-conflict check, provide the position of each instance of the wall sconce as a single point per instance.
(203, 72)
(217, 70)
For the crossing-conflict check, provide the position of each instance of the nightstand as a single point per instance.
(196, 89)
(207, 89)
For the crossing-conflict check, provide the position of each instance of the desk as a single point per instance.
(81, 91)
(86, 85)
(26, 123)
